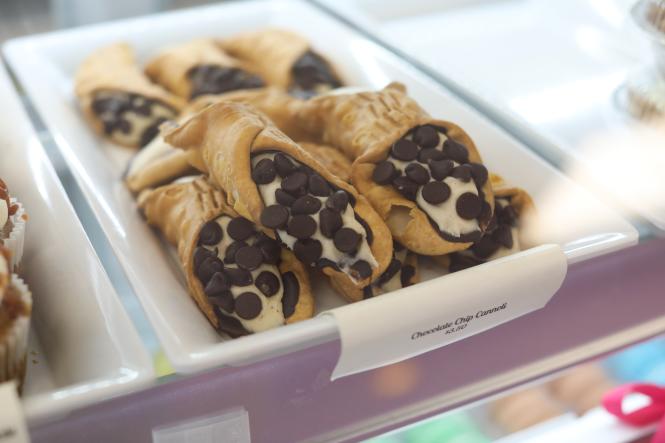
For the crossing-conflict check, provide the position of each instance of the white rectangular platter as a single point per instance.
(550, 72)
(83, 347)
(45, 66)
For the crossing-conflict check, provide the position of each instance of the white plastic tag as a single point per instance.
(12, 421)
(231, 426)
(432, 314)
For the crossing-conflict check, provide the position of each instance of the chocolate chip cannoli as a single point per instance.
(284, 59)
(270, 180)
(200, 67)
(331, 158)
(118, 100)
(505, 234)
(241, 279)
(424, 176)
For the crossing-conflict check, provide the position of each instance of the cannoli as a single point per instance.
(331, 158)
(200, 67)
(273, 182)
(276, 104)
(242, 280)
(505, 234)
(284, 59)
(118, 99)
(403, 271)
(424, 177)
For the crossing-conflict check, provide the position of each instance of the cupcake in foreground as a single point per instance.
(15, 310)
(12, 226)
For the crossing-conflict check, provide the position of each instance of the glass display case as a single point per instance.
(563, 100)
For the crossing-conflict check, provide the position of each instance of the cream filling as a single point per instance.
(156, 149)
(139, 123)
(329, 251)
(4, 213)
(445, 214)
(271, 314)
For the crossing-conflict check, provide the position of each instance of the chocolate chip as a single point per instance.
(369, 235)
(436, 192)
(211, 233)
(319, 186)
(484, 247)
(294, 182)
(230, 325)
(468, 206)
(384, 172)
(392, 269)
(417, 173)
(301, 226)
(240, 228)
(406, 276)
(441, 168)
(329, 222)
(306, 205)
(200, 254)
(459, 262)
(264, 172)
(407, 187)
(223, 300)
(479, 173)
(397, 246)
(427, 155)
(270, 249)
(284, 198)
(426, 136)
(239, 277)
(504, 236)
(208, 268)
(249, 257)
(486, 213)
(274, 216)
(308, 251)
(219, 283)
(455, 151)
(326, 263)
(367, 292)
(507, 215)
(248, 305)
(462, 172)
(215, 79)
(291, 293)
(268, 283)
(230, 253)
(347, 240)
(151, 131)
(405, 150)
(338, 201)
(360, 270)
(309, 71)
(284, 165)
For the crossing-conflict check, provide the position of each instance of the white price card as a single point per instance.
(12, 421)
(406, 323)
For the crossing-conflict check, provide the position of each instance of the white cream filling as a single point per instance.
(156, 149)
(271, 314)
(445, 214)
(4, 213)
(329, 251)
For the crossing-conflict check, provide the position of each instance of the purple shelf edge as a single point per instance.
(290, 398)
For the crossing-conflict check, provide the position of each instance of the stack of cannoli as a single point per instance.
(287, 178)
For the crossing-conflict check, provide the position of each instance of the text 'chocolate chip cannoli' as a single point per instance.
(118, 99)
(198, 68)
(424, 176)
(242, 280)
(284, 59)
(505, 235)
(272, 181)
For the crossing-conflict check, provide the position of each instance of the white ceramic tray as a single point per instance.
(83, 347)
(45, 65)
(550, 72)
